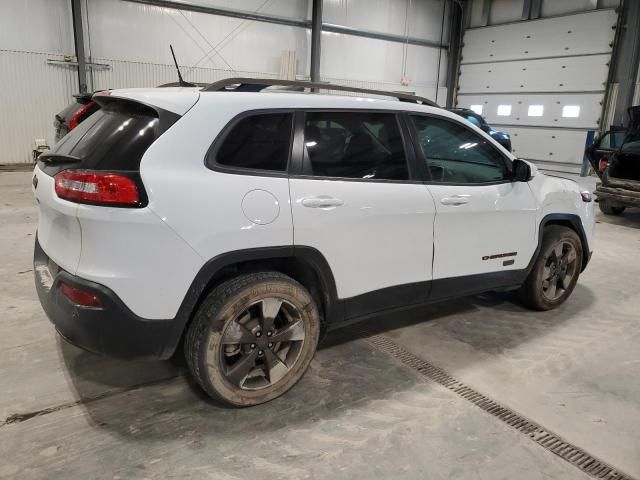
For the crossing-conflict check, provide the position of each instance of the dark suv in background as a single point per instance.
(615, 157)
(478, 120)
(74, 114)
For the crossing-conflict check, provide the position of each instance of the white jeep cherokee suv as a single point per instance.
(243, 224)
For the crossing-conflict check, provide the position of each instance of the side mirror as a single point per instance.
(521, 171)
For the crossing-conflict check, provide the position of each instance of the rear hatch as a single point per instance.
(94, 164)
(625, 164)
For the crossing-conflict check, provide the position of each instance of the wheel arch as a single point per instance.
(306, 265)
(568, 220)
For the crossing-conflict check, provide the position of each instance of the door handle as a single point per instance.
(321, 201)
(455, 200)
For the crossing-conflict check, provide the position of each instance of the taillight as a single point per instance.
(603, 164)
(77, 117)
(84, 298)
(97, 188)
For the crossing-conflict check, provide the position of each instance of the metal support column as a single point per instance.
(456, 16)
(526, 10)
(486, 12)
(626, 60)
(78, 37)
(536, 9)
(316, 36)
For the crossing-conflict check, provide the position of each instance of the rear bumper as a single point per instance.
(111, 329)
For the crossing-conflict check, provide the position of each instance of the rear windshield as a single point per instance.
(113, 138)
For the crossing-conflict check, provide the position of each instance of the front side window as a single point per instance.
(260, 141)
(354, 145)
(455, 154)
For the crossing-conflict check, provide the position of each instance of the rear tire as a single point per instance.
(608, 209)
(556, 270)
(253, 338)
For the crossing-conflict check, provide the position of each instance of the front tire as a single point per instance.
(555, 273)
(253, 338)
(608, 209)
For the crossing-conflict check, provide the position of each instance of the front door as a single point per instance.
(485, 226)
(355, 200)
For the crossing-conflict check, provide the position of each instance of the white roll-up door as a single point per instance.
(543, 81)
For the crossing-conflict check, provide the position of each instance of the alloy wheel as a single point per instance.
(262, 344)
(559, 269)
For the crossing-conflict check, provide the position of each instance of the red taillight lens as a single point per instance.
(80, 115)
(80, 297)
(603, 164)
(98, 188)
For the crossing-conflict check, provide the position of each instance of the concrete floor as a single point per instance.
(358, 413)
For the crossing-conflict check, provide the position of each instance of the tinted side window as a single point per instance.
(260, 141)
(455, 154)
(612, 140)
(354, 145)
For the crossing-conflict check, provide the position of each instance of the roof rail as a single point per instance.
(258, 84)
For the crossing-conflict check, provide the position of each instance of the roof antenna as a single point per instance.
(181, 81)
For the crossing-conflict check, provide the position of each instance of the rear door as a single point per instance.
(355, 199)
(485, 224)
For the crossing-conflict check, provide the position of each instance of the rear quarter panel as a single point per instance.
(59, 231)
(204, 206)
(138, 256)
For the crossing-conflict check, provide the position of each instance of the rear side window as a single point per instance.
(114, 138)
(354, 145)
(258, 142)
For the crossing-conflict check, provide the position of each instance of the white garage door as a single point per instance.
(543, 81)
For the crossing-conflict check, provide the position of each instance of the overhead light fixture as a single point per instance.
(535, 110)
(571, 111)
(504, 110)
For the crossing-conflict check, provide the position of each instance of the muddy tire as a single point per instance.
(252, 338)
(556, 270)
(608, 209)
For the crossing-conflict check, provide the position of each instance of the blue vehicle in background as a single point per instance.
(478, 120)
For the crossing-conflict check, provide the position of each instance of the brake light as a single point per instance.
(84, 298)
(97, 188)
(77, 117)
(603, 164)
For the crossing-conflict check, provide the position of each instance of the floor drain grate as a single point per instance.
(552, 442)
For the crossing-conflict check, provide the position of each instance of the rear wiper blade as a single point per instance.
(56, 158)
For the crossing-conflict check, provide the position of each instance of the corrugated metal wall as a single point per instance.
(124, 74)
(133, 40)
(33, 92)
(41, 90)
